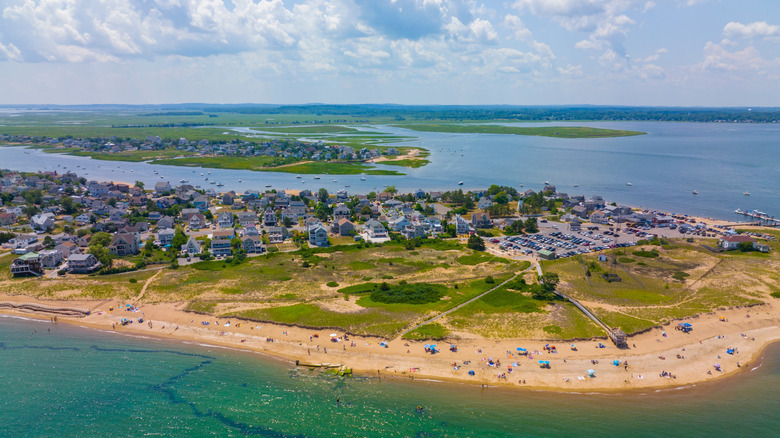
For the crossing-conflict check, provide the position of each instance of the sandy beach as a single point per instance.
(662, 357)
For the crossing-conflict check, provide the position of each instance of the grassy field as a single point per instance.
(683, 280)
(545, 131)
(413, 163)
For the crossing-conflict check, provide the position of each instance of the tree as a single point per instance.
(100, 238)
(476, 243)
(391, 189)
(531, 226)
(67, 205)
(501, 198)
(322, 195)
(287, 221)
(102, 254)
(515, 227)
(365, 211)
(745, 246)
(139, 184)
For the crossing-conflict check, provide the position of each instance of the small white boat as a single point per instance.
(183, 181)
(220, 185)
(738, 211)
(460, 183)
(212, 182)
(316, 177)
(297, 176)
(362, 178)
(629, 184)
(239, 180)
(268, 185)
(201, 174)
(547, 183)
(335, 180)
(746, 193)
(695, 192)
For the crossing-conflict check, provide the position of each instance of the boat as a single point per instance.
(268, 185)
(575, 185)
(183, 181)
(212, 182)
(460, 183)
(316, 177)
(239, 180)
(629, 184)
(346, 185)
(695, 192)
(547, 183)
(220, 185)
(155, 172)
(738, 211)
(297, 176)
(746, 193)
(201, 174)
(335, 180)
(303, 181)
(362, 178)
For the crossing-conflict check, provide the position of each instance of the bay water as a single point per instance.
(67, 381)
(720, 161)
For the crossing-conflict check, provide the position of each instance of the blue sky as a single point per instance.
(521, 52)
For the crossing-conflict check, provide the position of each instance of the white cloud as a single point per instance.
(718, 59)
(758, 29)
(519, 30)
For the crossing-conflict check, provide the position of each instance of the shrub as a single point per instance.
(489, 279)
(416, 293)
(648, 254)
(133, 280)
(332, 284)
(679, 275)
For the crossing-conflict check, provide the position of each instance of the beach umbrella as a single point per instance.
(616, 362)
(591, 372)
(427, 345)
(471, 372)
(521, 349)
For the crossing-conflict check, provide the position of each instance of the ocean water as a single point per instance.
(720, 161)
(67, 381)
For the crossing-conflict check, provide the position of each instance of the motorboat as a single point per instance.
(695, 192)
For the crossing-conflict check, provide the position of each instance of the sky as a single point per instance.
(459, 52)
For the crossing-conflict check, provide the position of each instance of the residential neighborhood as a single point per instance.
(65, 224)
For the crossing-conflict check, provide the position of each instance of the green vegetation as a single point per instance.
(649, 254)
(417, 293)
(413, 163)
(475, 259)
(545, 131)
(427, 332)
(332, 284)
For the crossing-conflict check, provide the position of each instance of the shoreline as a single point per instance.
(700, 349)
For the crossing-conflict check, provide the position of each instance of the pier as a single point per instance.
(762, 219)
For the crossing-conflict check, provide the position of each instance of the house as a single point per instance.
(732, 242)
(166, 236)
(399, 223)
(123, 244)
(598, 217)
(461, 225)
(318, 235)
(7, 219)
(253, 244)
(341, 212)
(374, 231)
(277, 234)
(191, 247)
(414, 230)
(162, 187)
(484, 203)
(187, 213)
(220, 242)
(50, 258)
(42, 222)
(67, 249)
(225, 220)
(250, 230)
(481, 220)
(82, 263)
(165, 222)
(201, 202)
(247, 218)
(269, 217)
(344, 227)
(196, 221)
(115, 214)
(29, 263)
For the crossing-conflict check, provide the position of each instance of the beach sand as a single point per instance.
(648, 355)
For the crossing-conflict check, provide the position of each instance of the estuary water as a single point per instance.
(720, 161)
(61, 380)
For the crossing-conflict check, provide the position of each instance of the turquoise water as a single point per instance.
(83, 383)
